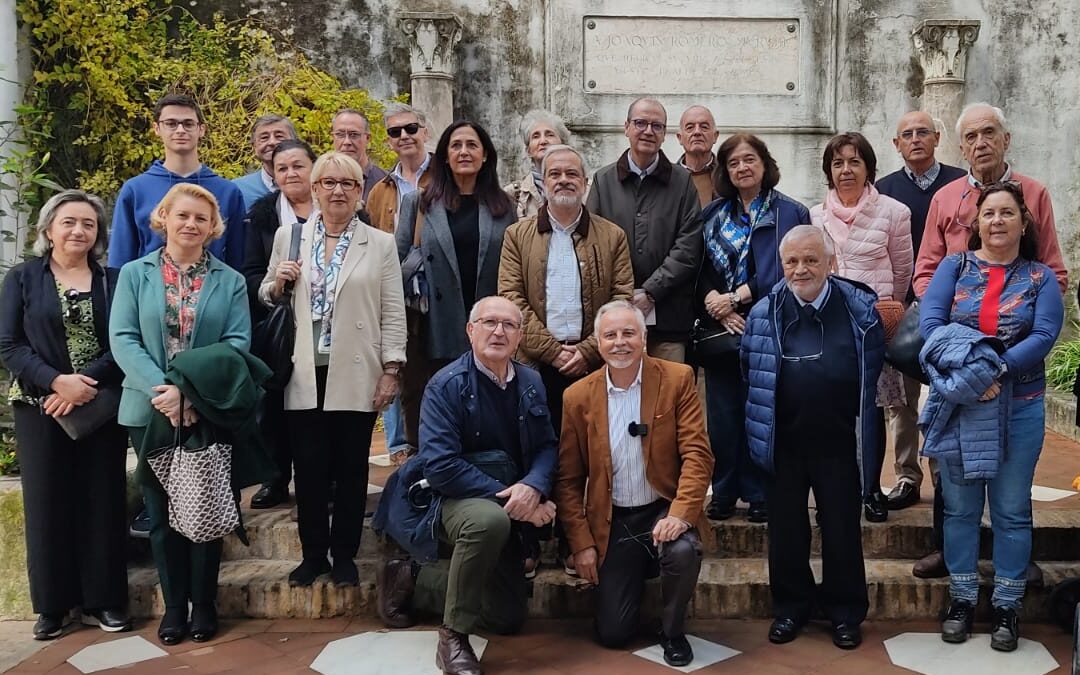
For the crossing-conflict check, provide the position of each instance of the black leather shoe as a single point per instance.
(109, 620)
(758, 512)
(783, 630)
(307, 571)
(677, 650)
(344, 573)
(846, 636)
(718, 510)
(875, 508)
(173, 627)
(930, 566)
(905, 494)
(1004, 630)
(958, 621)
(204, 623)
(394, 584)
(269, 496)
(49, 626)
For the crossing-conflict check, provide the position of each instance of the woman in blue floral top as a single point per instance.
(1000, 289)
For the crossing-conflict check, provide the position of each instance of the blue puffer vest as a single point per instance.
(760, 353)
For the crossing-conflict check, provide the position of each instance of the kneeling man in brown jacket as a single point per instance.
(634, 465)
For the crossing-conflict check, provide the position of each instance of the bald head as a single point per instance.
(697, 135)
(917, 140)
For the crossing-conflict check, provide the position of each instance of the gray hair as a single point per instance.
(999, 115)
(552, 149)
(42, 245)
(474, 313)
(264, 120)
(800, 232)
(395, 108)
(537, 116)
(352, 111)
(614, 306)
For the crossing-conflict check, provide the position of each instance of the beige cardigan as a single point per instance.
(368, 323)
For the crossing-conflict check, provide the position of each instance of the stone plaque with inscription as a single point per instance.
(676, 55)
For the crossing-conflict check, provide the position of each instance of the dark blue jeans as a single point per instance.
(735, 476)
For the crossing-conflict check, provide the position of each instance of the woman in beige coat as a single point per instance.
(350, 347)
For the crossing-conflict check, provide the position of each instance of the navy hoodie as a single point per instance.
(131, 236)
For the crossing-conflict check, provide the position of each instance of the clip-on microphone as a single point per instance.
(636, 429)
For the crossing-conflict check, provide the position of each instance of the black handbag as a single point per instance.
(273, 338)
(89, 417)
(902, 352)
(712, 345)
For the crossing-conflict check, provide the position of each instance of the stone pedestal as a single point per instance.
(942, 47)
(431, 37)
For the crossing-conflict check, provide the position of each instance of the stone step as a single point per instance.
(727, 588)
(907, 534)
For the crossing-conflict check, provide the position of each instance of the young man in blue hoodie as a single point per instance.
(179, 123)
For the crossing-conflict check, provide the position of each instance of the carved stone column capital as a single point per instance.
(432, 37)
(942, 47)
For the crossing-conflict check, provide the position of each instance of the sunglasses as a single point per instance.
(72, 312)
(411, 128)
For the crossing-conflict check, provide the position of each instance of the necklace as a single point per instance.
(332, 236)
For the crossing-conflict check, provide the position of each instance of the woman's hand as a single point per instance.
(287, 270)
(718, 304)
(74, 388)
(735, 323)
(385, 391)
(167, 402)
(190, 416)
(56, 406)
(992, 392)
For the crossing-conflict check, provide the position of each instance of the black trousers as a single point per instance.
(555, 384)
(831, 471)
(75, 503)
(275, 434)
(330, 448)
(631, 559)
(188, 571)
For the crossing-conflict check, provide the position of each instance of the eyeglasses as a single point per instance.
(171, 125)
(642, 125)
(346, 184)
(922, 132)
(809, 357)
(72, 312)
(491, 325)
(410, 128)
(351, 135)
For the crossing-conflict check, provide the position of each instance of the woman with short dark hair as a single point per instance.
(54, 339)
(743, 229)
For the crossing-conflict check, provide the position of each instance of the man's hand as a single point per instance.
(543, 514)
(585, 564)
(576, 366)
(521, 500)
(641, 301)
(563, 357)
(668, 528)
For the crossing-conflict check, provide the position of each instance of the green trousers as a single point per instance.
(187, 571)
(482, 585)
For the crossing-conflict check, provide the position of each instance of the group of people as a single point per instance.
(533, 350)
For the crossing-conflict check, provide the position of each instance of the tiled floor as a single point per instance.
(544, 648)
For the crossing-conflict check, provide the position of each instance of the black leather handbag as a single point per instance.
(273, 338)
(712, 345)
(902, 352)
(85, 419)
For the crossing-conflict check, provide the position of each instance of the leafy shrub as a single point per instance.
(1062, 364)
(9, 463)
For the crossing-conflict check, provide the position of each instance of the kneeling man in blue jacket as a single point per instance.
(487, 455)
(812, 352)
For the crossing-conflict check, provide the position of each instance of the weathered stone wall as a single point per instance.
(1027, 59)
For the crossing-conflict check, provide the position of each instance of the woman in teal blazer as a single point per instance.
(177, 298)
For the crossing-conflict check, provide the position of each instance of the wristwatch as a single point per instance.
(392, 369)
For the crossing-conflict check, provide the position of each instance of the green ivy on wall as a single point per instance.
(99, 65)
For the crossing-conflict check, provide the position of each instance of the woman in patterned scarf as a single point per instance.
(347, 360)
(743, 229)
(54, 339)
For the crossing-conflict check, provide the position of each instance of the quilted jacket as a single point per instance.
(760, 354)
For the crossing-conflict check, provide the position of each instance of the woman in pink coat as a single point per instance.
(871, 235)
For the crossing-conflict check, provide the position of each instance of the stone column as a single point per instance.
(942, 47)
(431, 37)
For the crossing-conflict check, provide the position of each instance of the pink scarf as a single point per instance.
(838, 218)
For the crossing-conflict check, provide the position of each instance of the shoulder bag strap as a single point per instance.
(419, 223)
(294, 254)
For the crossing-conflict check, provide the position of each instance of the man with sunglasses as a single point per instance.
(180, 125)
(634, 466)
(656, 203)
(913, 185)
(812, 352)
(407, 133)
(351, 135)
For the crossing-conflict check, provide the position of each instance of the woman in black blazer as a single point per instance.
(54, 338)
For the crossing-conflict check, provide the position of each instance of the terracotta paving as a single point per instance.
(544, 647)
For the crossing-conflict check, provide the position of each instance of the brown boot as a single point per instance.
(395, 585)
(454, 655)
(931, 566)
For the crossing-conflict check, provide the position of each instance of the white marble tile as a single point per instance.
(705, 654)
(373, 489)
(1047, 494)
(115, 654)
(926, 653)
(386, 653)
(379, 460)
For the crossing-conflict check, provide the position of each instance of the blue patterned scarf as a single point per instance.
(324, 277)
(727, 235)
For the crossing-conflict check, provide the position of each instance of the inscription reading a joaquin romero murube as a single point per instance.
(669, 55)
